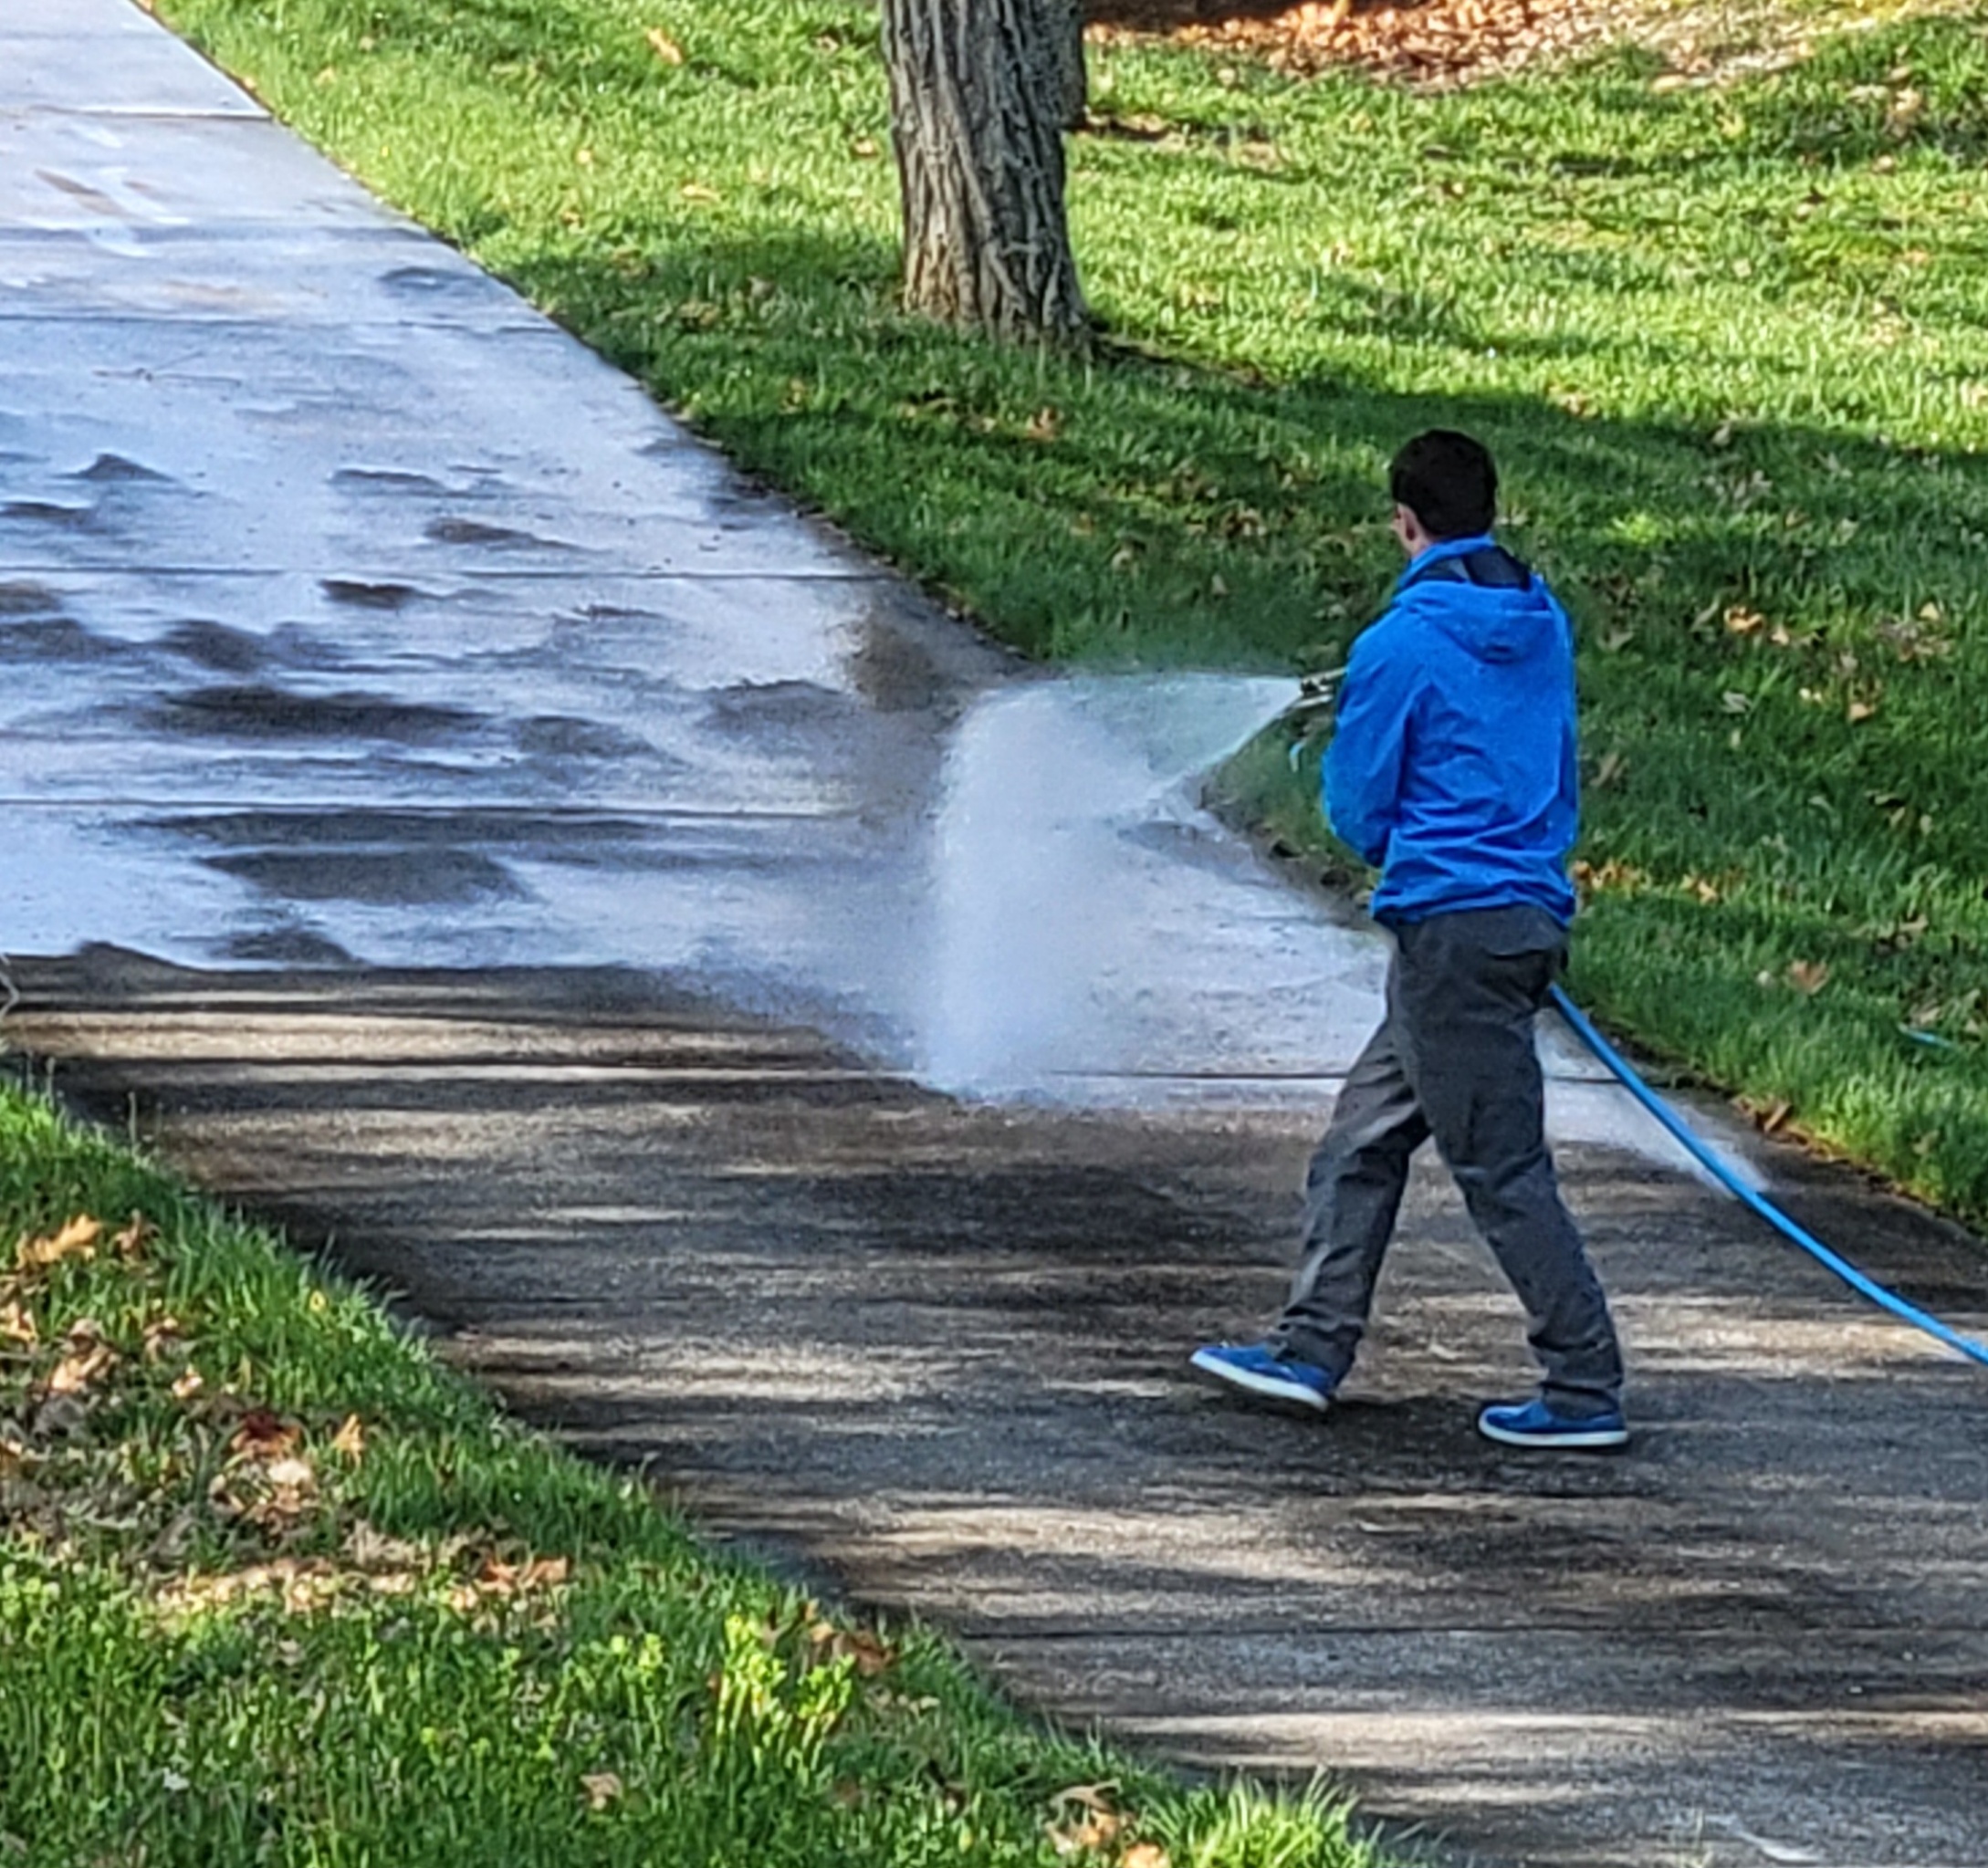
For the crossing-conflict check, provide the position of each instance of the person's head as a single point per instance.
(1444, 486)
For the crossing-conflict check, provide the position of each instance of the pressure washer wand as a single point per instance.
(1317, 694)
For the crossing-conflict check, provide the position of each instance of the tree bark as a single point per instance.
(1068, 75)
(978, 95)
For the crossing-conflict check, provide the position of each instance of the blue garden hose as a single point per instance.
(1674, 1124)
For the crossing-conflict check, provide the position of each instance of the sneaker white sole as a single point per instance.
(1267, 1386)
(1567, 1439)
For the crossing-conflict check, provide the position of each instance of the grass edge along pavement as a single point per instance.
(275, 1586)
(1728, 340)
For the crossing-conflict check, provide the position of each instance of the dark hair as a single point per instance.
(1447, 480)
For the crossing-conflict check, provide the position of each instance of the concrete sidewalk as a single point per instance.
(460, 819)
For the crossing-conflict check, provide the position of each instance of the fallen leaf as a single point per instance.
(265, 1436)
(829, 1642)
(188, 1385)
(17, 1326)
(1145, 1855)
(1045, 424)
(1094, 1831)
(292, 1474)
(1861, 711)
(75, 1373)
(349, 1441)
(1742, 621)
(77, 1239)
(696, 190)
(602, 1788)
(129, 1242)
(1808, 975)
(498, 1577)
(664, 47)
(162, 1336)
(1089, 1796)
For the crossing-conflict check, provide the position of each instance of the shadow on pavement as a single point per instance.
(934, 1354)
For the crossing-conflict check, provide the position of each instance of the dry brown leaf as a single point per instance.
(133, 1237)
(265, 1436)
(602, 1788)
(188, 1385)
(349, 1441)
(664, 47)
(164, 1335)
(1808, 975)
(78, 1240)
(17, 1326)
(1145, 1855)
(500, 1579)
(88, 1361)
(1094, 1831)
(827, 1642)
(291, 1474)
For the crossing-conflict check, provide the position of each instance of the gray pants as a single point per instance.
(1455, 1058)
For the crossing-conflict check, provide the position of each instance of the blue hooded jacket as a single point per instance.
(1452, 765)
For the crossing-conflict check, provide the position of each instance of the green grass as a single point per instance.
(1730, 342)
(277, 1589)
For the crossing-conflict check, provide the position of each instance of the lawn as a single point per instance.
(1730, 339)
(275, 1588)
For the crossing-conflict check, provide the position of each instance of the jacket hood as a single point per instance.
(1495, 624)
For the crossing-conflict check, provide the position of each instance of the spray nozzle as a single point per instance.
(1316, 693)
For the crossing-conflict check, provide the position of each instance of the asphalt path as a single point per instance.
(771, 1037)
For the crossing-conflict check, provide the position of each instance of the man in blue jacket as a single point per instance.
(1452, 771)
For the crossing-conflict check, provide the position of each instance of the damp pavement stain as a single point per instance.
(772, 1034)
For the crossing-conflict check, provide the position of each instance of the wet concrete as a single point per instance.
(493, 838)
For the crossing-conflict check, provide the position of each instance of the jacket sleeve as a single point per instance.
(1362, 777)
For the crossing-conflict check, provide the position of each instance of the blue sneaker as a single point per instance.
(1258, 1368)
(1536, 1425)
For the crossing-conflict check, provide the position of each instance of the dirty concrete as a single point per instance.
(460, 819)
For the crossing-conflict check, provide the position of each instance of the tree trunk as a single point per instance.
(977, 99)
(1069, 82)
